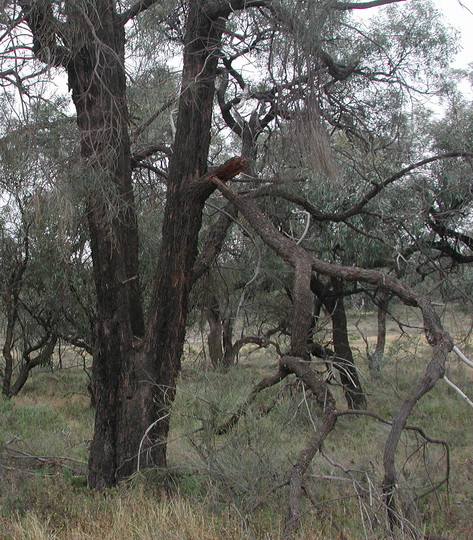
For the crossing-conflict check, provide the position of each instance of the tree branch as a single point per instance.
(136, 9)
(365, 199)
(45, 29)
(214, 242)
(345, 6)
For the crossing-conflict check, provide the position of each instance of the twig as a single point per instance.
(47, 460)
(148, 429)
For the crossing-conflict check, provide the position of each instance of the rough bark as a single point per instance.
(96, 74)
(333, 300)
(188, 188)
(133, 379)
(326, 401)
(7, 351)
(11, 305)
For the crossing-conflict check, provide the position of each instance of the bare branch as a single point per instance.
(462, 357)
(345, 6)
(136, 9)
(214, 242)
(458, 391)
(146, 123)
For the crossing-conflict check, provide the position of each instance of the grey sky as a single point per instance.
(459, 14)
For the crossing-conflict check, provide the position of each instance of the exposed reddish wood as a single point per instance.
(230, 169)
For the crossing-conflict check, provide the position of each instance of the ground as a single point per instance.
(226, 487)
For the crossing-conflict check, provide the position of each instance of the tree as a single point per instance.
(316, 86)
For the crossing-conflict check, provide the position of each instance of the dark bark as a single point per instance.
(7, 352)
(215, 335)
(11, 304)
(133, 383)
(332, 298)
(188, 188)
(46, 347)
(346, 6)
(97, 78)
(354, 394)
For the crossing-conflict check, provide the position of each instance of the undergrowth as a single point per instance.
(233, 486)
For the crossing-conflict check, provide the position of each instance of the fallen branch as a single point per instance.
(49, 461)
(267, 382)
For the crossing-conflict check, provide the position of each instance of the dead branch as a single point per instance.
(325, 399)
(435, 334)
(267, 382)
(50, 461)
(345, 6)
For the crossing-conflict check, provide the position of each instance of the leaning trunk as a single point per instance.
(332, 298)
(341, 345)
(185, 200)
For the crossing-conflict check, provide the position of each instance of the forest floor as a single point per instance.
(231, 486)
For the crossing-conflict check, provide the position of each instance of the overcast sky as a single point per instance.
(462, 19)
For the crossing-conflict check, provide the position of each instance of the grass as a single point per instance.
(224, 487)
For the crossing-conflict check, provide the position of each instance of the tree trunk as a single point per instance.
(44, 356)
(345, 363)
(97, 79)
(134, 379)
(333, 301)
(185, 200)
(7, 352)
(376, 359)
(215, 335)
